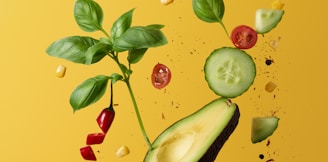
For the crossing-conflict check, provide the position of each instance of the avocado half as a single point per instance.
(197, 137)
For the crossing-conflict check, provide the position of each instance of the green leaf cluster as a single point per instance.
(122, 37)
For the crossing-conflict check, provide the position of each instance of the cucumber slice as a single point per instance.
(263, 127)
(229, 71)
(267, 19)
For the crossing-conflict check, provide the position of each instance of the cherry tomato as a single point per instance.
(161, 76)
(244, 37)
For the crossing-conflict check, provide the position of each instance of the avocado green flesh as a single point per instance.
(267, 19)
(263, 127)
(197, 136)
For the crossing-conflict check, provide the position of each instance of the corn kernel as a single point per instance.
(166, 2)
(60, 71)
(273, 44)
(270, 86)
(277, 5)
(122, 151)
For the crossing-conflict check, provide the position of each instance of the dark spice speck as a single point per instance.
(268, 61)
(261, 156)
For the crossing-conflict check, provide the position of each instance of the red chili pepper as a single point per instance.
(95, 138)
(87, 153)
(105, 119)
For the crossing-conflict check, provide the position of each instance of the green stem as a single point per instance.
(126, 79)
(225, 29)
(104, 31)
(138, 115)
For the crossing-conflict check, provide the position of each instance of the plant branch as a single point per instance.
(138, 116)
(225, 29)
(126, 79)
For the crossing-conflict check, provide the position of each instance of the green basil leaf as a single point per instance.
(116, 77)
(88, 15)
(139, 37)
(209, 10)
(96, 52)
(156, 26)
(71, 48)
(121, 24)
(89, 92)
(135, 55)
(125, 69)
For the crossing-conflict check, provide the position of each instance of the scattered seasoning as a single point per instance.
(268, 61)
(261, 156)
(163, 116)
(268, 143)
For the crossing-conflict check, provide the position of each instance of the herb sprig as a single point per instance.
(122, 37)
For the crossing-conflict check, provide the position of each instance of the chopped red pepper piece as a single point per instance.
(95, 138)
(106, 118)
(87, 153)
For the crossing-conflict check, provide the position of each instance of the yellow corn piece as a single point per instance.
(270, 86)
(166, 2)
(60, 71)
(277, 5)
(274, 44)
(122, 151)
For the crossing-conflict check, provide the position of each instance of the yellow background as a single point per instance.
(37, 122)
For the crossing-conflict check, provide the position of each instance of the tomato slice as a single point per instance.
(161, 76)
(244, 37)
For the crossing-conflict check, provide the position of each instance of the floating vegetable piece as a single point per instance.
(166, 2)
(107, 115)
(95, 138)
(243, 37)
(229, 71)
(273, 44)
(61, 71)
(267, 19)
(197, 137)
(210, 11)
(87, 153)
(160, 76)
(105, 119)
(122, 151)
(270, 86)
(263, 127)
(277, 5)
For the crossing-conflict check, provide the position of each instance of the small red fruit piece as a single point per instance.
(161, 76)
(95, 138)
(87, 153)
(105, 119)
(244, 37)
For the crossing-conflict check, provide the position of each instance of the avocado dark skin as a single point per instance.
(213, 151)
(174, 143)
